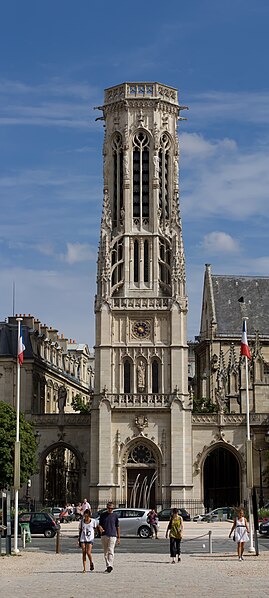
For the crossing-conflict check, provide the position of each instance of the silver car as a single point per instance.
(133, 522)
(221, 514)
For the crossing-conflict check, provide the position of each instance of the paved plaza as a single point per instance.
(32, 575)
(38, 571)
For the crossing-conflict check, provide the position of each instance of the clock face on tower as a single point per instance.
(141, 329)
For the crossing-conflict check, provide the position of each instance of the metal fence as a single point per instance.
(193, 506)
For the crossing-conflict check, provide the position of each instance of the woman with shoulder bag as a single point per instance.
(175, 529)
(241, 531)
(86, 538)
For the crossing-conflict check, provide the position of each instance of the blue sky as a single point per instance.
(56, 58)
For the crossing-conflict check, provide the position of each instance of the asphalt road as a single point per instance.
(190, 545)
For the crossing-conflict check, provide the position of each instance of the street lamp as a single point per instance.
(28, 486)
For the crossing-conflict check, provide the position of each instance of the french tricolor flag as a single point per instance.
(244, 342)
(21, 346)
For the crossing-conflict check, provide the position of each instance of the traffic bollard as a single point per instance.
(58, 545)
(210, 543)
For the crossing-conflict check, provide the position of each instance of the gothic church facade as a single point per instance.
(141, 411)
(142, 441)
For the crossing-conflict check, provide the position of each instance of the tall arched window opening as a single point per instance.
(164, 176)
(146, 261)
(127, 377)
(141, 177)
(136, 261)
(165, 265)
(155, 376)
(117, 178)
(117, 265)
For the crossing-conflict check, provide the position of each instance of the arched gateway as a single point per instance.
(221, 479)
(141, 474)
(61, 475)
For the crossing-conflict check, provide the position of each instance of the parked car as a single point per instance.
(40, 523)
(220, 514)
(55, 512)
(133, 522)
(264, 528)
(165, 514)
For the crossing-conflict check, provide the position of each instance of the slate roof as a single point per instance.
(255, 291)
(9, 341)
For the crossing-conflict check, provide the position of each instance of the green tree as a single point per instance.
(28, 463)
(204, 406)
(79, 405)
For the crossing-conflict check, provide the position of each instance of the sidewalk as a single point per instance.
(31, 575)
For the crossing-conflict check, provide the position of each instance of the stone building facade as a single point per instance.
(54, 371)
(221, 381)
(141, 410)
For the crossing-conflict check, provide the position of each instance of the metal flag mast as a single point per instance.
(17, 447)
(248, 447)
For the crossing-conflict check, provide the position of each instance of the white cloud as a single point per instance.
(79, 252)
(44, 248)
(250, 107)
(226, 182)
(56, 103)
(196, 146)
(220, 242)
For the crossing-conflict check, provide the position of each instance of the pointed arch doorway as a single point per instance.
(142, 476)
(221, 479)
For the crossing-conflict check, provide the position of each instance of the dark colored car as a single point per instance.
(264, 528)
(165, 514)
(40, 523)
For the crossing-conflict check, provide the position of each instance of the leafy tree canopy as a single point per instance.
(203, 406)
(79, 405)
(28, 463)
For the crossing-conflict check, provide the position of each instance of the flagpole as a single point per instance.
(17, 448)
(249, 453)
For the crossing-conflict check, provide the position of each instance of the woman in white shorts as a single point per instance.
(86, 538)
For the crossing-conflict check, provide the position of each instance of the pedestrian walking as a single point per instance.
(85, 505)
(241, 530)
(152, 519)
(86, 538)
(110, 532)
(175, 529)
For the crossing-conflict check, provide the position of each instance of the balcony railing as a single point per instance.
(140, 400)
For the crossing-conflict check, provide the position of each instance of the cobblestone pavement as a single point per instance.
(32, 574)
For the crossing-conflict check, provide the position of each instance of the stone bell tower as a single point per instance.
(141, 411)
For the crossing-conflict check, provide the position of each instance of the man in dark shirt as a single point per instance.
(110, 532)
